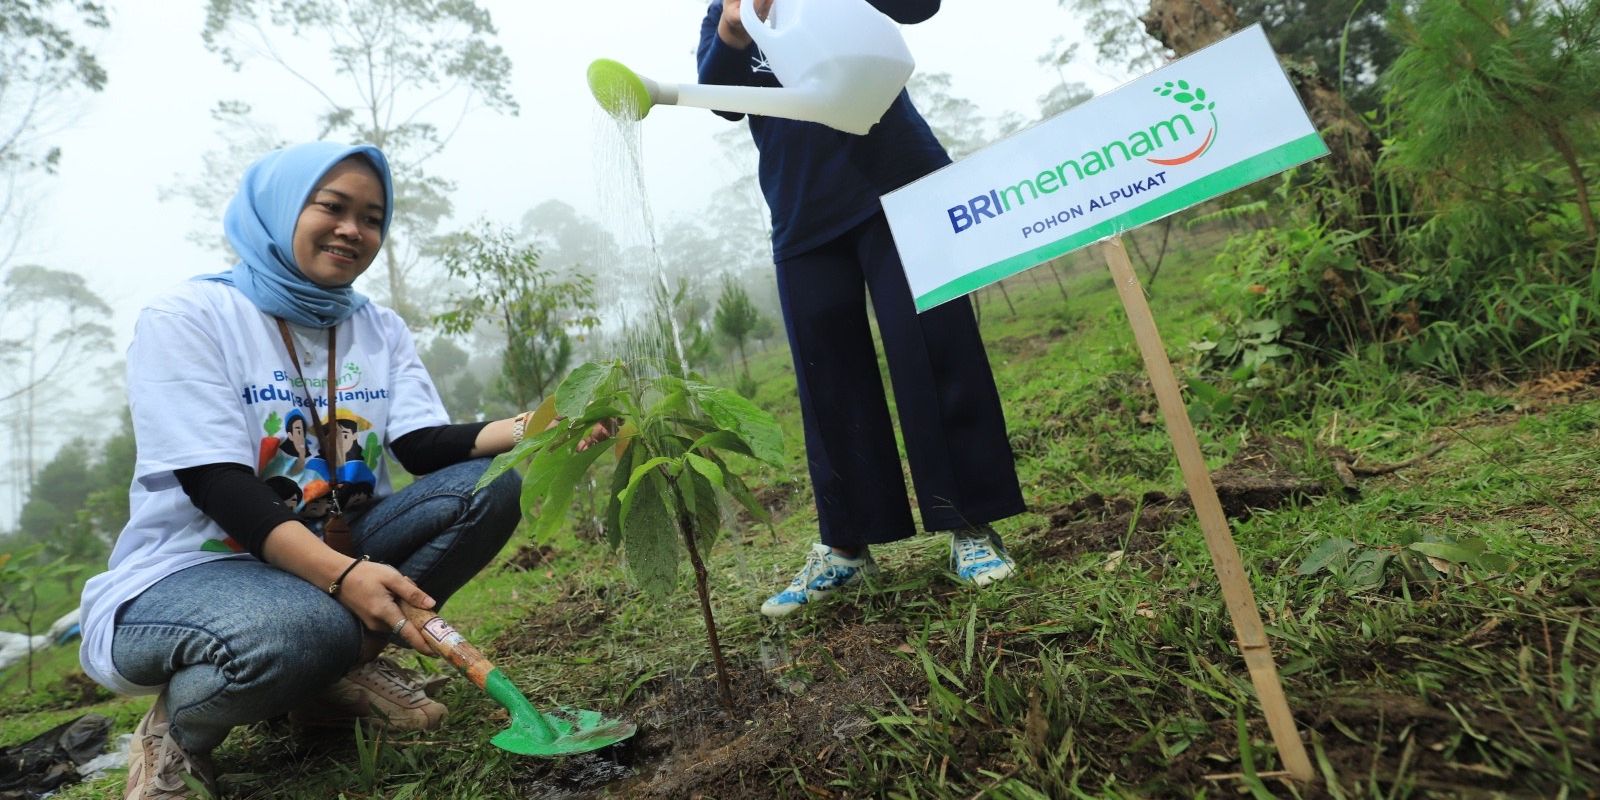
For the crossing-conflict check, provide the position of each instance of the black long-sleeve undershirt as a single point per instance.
(248, 509)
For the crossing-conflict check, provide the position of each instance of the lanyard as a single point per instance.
(330, 434)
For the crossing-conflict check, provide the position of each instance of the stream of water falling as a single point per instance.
(625, 202)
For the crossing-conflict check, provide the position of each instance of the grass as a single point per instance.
(1088, 675)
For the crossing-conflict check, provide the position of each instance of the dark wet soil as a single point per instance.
(801, 723)
(1257, 479)
(809, 711)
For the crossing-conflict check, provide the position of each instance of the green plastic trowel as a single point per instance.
(531, 733)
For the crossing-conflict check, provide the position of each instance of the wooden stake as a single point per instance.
(1241, 602)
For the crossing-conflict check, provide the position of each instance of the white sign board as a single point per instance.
(1207, 124)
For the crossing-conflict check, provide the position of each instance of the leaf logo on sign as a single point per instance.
(1195, 98)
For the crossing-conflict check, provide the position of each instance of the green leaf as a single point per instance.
(1366, 571)
(706, 467)
(1333, 552)
(1493, 562)
(1204, 392)
(650, 536)
(1463, 552)
(1266, 328)
(736, 488)
(1183, 97)
(575, 393)
(619, 482)
(723, 440)
(557, 498)
(524, 450)
(272, 424)
(540, 473)
(671, 403)
(637, 476)
(733, 412)
(707, 511)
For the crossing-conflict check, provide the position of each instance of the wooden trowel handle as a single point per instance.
(449, 644)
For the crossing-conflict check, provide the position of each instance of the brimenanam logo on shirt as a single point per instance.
(1159, 137)
(349, 379)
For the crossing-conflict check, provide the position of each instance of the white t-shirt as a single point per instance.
(209, 381)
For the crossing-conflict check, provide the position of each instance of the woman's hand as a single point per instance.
(731, 27)
(602, 430)
(373, 592)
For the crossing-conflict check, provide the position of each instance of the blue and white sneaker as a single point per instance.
(824, 571)
(978, 558)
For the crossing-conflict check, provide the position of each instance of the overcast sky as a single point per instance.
(102, 215)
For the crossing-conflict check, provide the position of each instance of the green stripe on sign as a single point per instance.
(1220, 182)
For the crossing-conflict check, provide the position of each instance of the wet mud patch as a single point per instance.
(808, 708)
(1259, 478)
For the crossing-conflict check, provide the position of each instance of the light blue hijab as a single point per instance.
(260, 225)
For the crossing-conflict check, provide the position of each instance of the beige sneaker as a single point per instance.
(157, 765)
(380, 692)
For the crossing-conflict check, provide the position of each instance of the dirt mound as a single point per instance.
(810, 708)
(1258, 478)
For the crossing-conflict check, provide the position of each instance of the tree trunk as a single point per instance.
(1185, 26)
(1059, 284)
(1007, 296)
(1152, 269)
(1558, 140)
(686, 526)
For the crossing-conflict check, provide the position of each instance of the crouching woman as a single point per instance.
(247, 584)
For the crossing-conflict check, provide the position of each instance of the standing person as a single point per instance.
(296, 609)
(831, 245)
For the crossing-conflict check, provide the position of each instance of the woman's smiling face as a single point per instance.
(341, 227)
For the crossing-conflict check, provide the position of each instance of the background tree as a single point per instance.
(1348, 41)
(41, 68)
(58, 491)
(105, 509)
(1116, 33)
(1485, 88)
(1354, 204)
(450, 367)
(210, 190)
(405, 74)
(50, 321)
(736, 317)
(538, 312)
(570, 241)
(957, 122)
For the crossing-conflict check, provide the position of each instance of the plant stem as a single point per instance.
(686, 526)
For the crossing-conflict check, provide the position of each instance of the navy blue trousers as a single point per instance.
(950, 415)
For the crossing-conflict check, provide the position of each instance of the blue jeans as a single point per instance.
(238, 641)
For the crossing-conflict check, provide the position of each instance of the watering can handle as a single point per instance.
(759, 29)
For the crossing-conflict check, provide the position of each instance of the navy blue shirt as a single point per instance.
(820, 182)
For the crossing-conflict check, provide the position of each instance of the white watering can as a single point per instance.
(841, 62)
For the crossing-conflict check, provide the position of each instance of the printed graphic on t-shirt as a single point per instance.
(296, 463)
